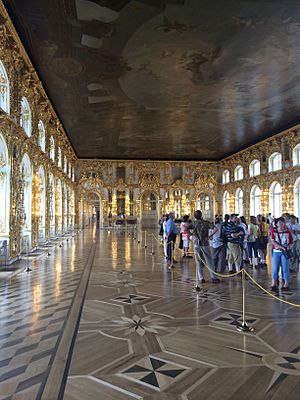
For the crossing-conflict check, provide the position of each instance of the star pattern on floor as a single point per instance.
(154, 372)
(233, 319)
(206, 295)
(283, 364)
(141, 325)
(130, 299)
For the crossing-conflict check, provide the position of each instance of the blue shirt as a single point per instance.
(170, 227)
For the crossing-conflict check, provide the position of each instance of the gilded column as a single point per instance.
(16, 207)
(47, 208)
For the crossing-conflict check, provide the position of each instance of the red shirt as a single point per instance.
(286, 238)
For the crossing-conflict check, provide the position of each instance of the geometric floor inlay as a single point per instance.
(130, 299)
(154, 372)
(234, 319)
(141, 325)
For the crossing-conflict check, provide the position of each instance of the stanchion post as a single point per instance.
(244, 327)
(152, 245)
(27, 266)
(145, 240)
(197, 287)
(137, 236)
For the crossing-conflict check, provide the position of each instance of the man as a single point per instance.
(223, 238)
(201, 228)
(235, 238)
(170, 236)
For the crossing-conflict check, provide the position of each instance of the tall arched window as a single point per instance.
(296, 155)
(4, 89)
(52, 205)
(42, 203)
(65, 165)
(58, 205)
(226, 176)
(4, 188)
(59, 157)
(42, 136)
(25, 120)
(26, 200)
(275, 199)
(239, 202)
(297, 197)
(226, 203)
(52, 149)
(238, 173)
(254, 168)
(275, 161)
(255, 200)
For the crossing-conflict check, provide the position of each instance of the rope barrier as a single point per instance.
(271, 294)
(255, 282)
(242, 271)
(218, 274)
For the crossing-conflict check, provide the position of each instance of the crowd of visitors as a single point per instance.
(230, 243)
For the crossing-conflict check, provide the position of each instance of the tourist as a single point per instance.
(216, 245)
(262, 240)
(200, 229)
(235, 238)
(164, 235)
(170, 236)
(224, 240)
(282, 240)
(295, 229)
(252, 242)
(244, 225)
(185, 233)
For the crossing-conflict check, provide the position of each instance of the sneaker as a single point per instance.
(274, 288)
(215, 280)
(285, 288)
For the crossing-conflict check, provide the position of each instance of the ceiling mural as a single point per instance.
(165, 79)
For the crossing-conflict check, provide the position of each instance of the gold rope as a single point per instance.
(249, 276)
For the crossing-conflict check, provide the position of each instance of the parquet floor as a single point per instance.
(103, 318)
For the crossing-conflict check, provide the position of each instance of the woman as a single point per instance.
(252, 240)
(185, 235)
(262, 239)
(281, 241)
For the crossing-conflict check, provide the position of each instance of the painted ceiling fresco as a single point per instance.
(165, 79)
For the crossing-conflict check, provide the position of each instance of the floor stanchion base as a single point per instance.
(28, 269)
(244, 328)
(197, 288)
(145, 247)
(152, 252)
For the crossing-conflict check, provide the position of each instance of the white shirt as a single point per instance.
(215, 241)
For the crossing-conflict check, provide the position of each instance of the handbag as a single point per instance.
(288, 254)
